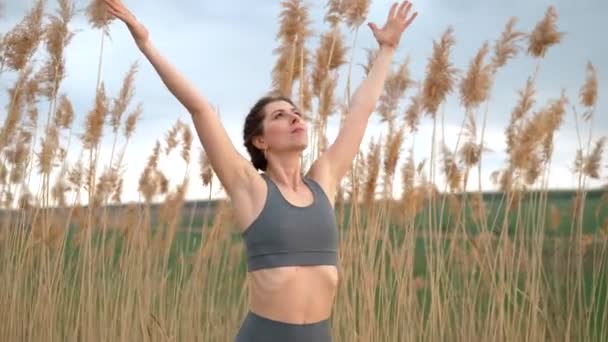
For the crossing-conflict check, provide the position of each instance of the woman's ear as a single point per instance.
(259, 143)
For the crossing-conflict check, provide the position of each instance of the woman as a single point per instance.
(286, 218)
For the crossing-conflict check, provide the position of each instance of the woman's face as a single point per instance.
(285, 128)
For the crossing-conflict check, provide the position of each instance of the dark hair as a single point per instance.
(254, 126)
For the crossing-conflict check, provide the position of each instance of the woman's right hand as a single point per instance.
(138, 31)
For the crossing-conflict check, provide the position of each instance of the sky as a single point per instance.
(226, 49)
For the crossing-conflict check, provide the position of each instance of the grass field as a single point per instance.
(524, 263)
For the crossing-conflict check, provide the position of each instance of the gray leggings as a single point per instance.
(257, 328)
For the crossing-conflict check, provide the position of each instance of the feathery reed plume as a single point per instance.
(355, 12)
(397, 83)
(19, 156)
(106, 186)
(592, 164)
(283, 72)
(413, 111)
(98, 14)
(526, 101)
(372, 172)
(171, 136)
(475, 85)
(59, 190)
(26, 200)
(531, 137)
(470, 153)
(305, 100)
(122, 101)
(3, 174)
(186, 139)
(118, 186)
(76, 175)
(440, 74)
(206, 171)
(15, 108)
(451, 171)
(131, 121)
(506, 47)
(293, 31)
(21, 42)
(151, 181)
(408, 172)
(412, 196)
(95, 120)
(171, 207)
(370, 58)
(545, 34)
(58, 36)
(335, 12)
(330, 55)
(64, 116)
(354, 178)
(391, 157)
(326, 99)
(588, 92)
(523, 107)
(48, 150)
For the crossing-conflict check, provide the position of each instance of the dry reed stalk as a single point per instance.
(170, 214)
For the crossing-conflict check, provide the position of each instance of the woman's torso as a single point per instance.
(293, 293)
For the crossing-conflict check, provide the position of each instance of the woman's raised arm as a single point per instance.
(230, 166)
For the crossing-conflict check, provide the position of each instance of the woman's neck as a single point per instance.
(286, 171)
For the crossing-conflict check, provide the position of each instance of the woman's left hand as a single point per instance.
(399, 18)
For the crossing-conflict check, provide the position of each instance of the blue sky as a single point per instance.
(225, 48)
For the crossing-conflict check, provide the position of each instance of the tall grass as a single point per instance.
(433, 264)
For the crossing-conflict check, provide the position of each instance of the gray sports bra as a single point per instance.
(287, 235)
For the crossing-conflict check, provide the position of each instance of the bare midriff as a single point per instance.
(293, 294)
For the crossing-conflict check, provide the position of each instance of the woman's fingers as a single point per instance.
(407, 9)
(404, 7)
(393, 11)
(407, 23)
(116, 8)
